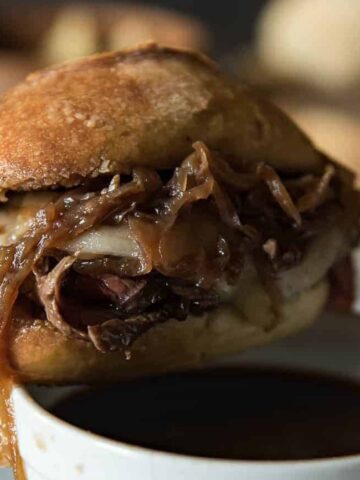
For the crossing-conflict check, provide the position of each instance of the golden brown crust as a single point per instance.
(41, 354)
(145, 106)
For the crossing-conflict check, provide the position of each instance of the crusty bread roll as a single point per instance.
(146, 107)
(82, 29)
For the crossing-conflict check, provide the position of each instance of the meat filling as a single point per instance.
(177, 236)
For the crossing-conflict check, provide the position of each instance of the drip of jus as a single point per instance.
(9, 452)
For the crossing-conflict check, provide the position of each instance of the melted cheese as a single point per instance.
(105, 240)
(17, 214)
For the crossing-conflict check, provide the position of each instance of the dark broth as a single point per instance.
(249, 414)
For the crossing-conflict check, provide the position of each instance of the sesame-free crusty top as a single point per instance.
(145, 106)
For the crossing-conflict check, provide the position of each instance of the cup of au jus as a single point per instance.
(287, 411)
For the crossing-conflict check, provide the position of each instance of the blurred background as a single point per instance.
(303, 54)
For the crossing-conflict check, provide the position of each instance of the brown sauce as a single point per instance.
(246, 414)
(9, 451)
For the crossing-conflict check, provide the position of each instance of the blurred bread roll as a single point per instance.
(312, 41)
(139, 24)
(73, 34)
(79, 30)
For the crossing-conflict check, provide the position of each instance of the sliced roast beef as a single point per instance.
(110, 311)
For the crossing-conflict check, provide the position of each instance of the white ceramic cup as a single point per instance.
(54, 450)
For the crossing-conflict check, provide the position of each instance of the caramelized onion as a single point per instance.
(227, 210)
(123, 267)
(279, 191)
(67, 218)
(187, 246)
(194, 182)
(49, 289)
(222, 170)
(317, 195)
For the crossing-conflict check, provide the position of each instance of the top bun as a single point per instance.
(144, 106)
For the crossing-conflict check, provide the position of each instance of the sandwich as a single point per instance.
(155, 215)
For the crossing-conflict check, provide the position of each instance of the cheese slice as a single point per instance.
(17, 214)
(105, 240)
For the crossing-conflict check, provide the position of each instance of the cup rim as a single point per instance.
(25, 397)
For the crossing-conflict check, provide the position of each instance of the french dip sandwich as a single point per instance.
(155, 215)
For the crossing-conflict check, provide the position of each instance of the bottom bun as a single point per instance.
(41, 354)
